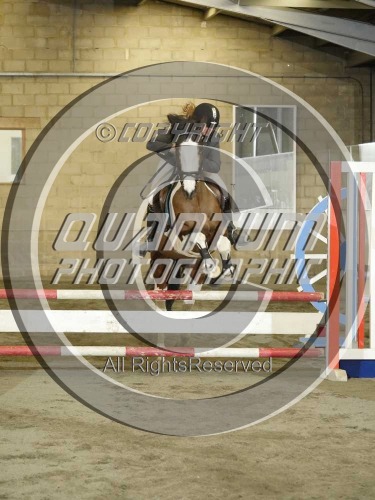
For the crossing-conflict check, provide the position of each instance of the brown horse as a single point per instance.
(196, 227)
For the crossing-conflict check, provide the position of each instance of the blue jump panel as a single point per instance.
(358, 368)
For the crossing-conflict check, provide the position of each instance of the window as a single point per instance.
(11, 153)
(270, 151)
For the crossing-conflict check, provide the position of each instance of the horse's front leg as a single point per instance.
(210, 266)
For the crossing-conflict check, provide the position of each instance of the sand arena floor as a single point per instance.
(53, 447)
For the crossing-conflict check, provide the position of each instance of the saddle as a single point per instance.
(160, 201)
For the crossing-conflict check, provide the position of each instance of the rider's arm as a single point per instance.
(211, 157)
(162, 145)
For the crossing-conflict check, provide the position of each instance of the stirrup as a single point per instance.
(143, 249)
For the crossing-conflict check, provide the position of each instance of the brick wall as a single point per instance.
(99, 38)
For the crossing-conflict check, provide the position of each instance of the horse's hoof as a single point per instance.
(228, 273)
(226, 276)
(210, 266)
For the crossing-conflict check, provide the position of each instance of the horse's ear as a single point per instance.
(172, 118)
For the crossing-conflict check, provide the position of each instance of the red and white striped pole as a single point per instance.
(131, 352)
(209, 295)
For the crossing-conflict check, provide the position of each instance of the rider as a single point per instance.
(208, 116)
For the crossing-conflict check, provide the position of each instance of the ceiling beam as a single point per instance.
(347, 33)
(369, 3)
(306, 4)
(320, 43)
(358, 59)
(210, 13)
(277, 30)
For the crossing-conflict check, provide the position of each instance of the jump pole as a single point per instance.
(333, 285)
(203, 295)
(361, 260)
(111, 322)
(189, 352)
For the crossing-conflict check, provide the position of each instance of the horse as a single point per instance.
(197, 223)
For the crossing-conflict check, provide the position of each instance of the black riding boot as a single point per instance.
(232, 232)
(151, 227)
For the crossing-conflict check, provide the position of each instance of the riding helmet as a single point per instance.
(207, 113)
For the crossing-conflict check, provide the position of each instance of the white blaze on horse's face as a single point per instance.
(189, 162)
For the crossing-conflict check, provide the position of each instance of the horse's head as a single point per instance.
(188, 153)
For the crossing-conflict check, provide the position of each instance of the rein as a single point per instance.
(144, 194)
